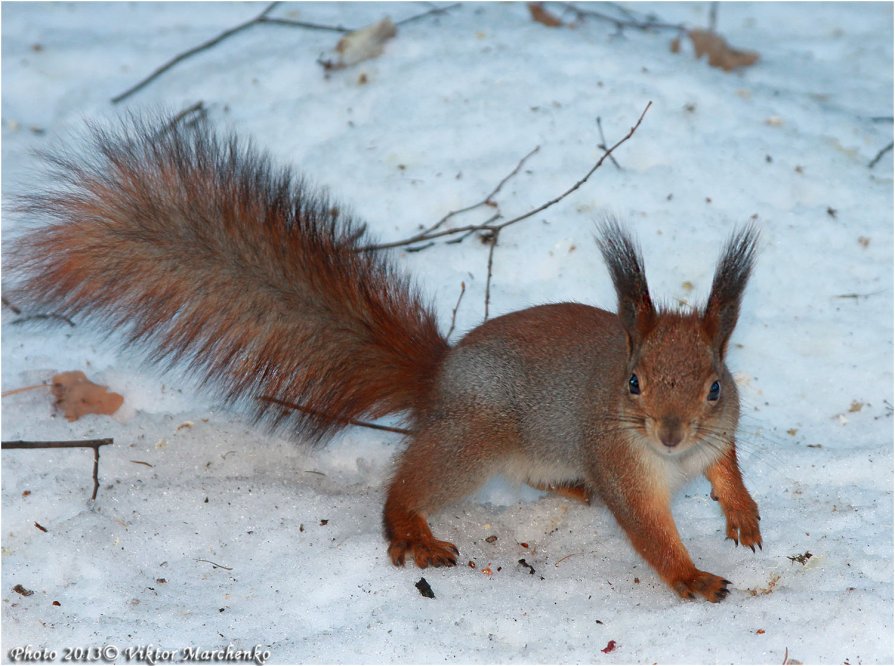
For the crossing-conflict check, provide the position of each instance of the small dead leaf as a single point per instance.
(24, 591)
(720, 53)
(542, 16)
(362, 44)
(610, 647)
(77, 396)
(792, 432)
(759, 631)
(856, 406)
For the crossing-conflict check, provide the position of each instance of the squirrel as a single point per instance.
(206, 255)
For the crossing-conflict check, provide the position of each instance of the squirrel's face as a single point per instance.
(678, 393)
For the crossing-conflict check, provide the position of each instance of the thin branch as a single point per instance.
(713, 16)
(606, 155)
(304, 24)
(434, 10)
(487, 201)
(67, 444)
(456, 307)
(493, 241)
(343, 421)
(193, 51)
(215, 565)
(198, 109)
(33, 387)
(880, 154)
(630, 21)
(602, 144)
(472, 228)
(261, 18)
(858, 296)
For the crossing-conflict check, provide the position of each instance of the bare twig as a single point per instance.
(492, 239)
(304, 24)
(23, 389)
(858, 296)
(193, 51)
(314, 412)
(434, 10)
(467, 230)
(487, 201)
(880, 154)
(606, 155)
(260, 19)
(713, 16)
(602, 144)
(630, 20)
(82, 444)
(215, 565)
(198, 109)
(456, 307)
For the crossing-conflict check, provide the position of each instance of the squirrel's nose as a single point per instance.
(670, 432)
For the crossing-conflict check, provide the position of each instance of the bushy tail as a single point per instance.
(201, 251)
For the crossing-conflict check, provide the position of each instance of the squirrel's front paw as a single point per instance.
(742, 526)
(710, 586)
(426, 553)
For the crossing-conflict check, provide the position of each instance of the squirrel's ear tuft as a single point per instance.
(731, 275)
(625, 264)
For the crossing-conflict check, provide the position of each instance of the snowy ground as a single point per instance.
(445, 113)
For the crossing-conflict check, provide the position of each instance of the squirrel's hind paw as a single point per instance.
(710, 586)
(426, 553)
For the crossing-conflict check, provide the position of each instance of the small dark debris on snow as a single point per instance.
(24, 591)
(324, 522)
(610, 647)
(491, 539)
(531, 569)
(801, 559)
(425, 589)
(40, 527)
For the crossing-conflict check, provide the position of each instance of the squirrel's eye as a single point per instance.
(715, 391)
(634, 385)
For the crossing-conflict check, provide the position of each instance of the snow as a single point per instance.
(446, 112)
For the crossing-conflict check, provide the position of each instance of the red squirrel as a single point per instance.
(203, 253)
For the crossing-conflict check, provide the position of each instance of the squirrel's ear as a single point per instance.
(731, 275)
(625, 264)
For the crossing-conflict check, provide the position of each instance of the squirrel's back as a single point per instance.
(195, 246)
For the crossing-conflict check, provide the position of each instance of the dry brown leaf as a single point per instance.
(76, 396)
(363, 44)
(542, 16)
(720, 53)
